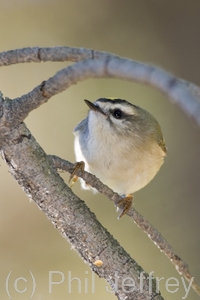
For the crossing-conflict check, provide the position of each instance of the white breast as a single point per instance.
(124, 169)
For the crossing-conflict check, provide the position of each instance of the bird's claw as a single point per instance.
(124, 205)
(73, 177)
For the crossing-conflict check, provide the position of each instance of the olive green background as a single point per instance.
(162, 32)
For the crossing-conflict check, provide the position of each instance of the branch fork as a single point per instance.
(36, 172)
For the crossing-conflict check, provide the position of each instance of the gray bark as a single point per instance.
(36, 172)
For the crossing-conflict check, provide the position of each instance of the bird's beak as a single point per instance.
(93, 107)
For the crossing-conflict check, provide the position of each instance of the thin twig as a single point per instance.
(141, 222)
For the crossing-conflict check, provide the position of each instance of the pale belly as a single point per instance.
(122, 174)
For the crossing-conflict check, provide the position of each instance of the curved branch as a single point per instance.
(185, 95)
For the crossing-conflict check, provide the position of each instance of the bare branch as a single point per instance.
(121, 68)
(154, 235)
(32, 169)
(25, 55)
(36, 54)
(102, 65)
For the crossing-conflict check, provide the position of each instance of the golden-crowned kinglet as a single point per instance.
(120, 143)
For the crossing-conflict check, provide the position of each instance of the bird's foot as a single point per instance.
(125, 204)
(73, 177)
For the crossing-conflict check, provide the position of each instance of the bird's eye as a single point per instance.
(117, 114)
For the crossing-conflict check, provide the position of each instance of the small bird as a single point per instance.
(121, 144)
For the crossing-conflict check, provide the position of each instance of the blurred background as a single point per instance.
(163, 33)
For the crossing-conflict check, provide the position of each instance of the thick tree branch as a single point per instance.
(34, 171)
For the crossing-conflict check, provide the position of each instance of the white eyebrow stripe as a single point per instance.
(124, 108)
